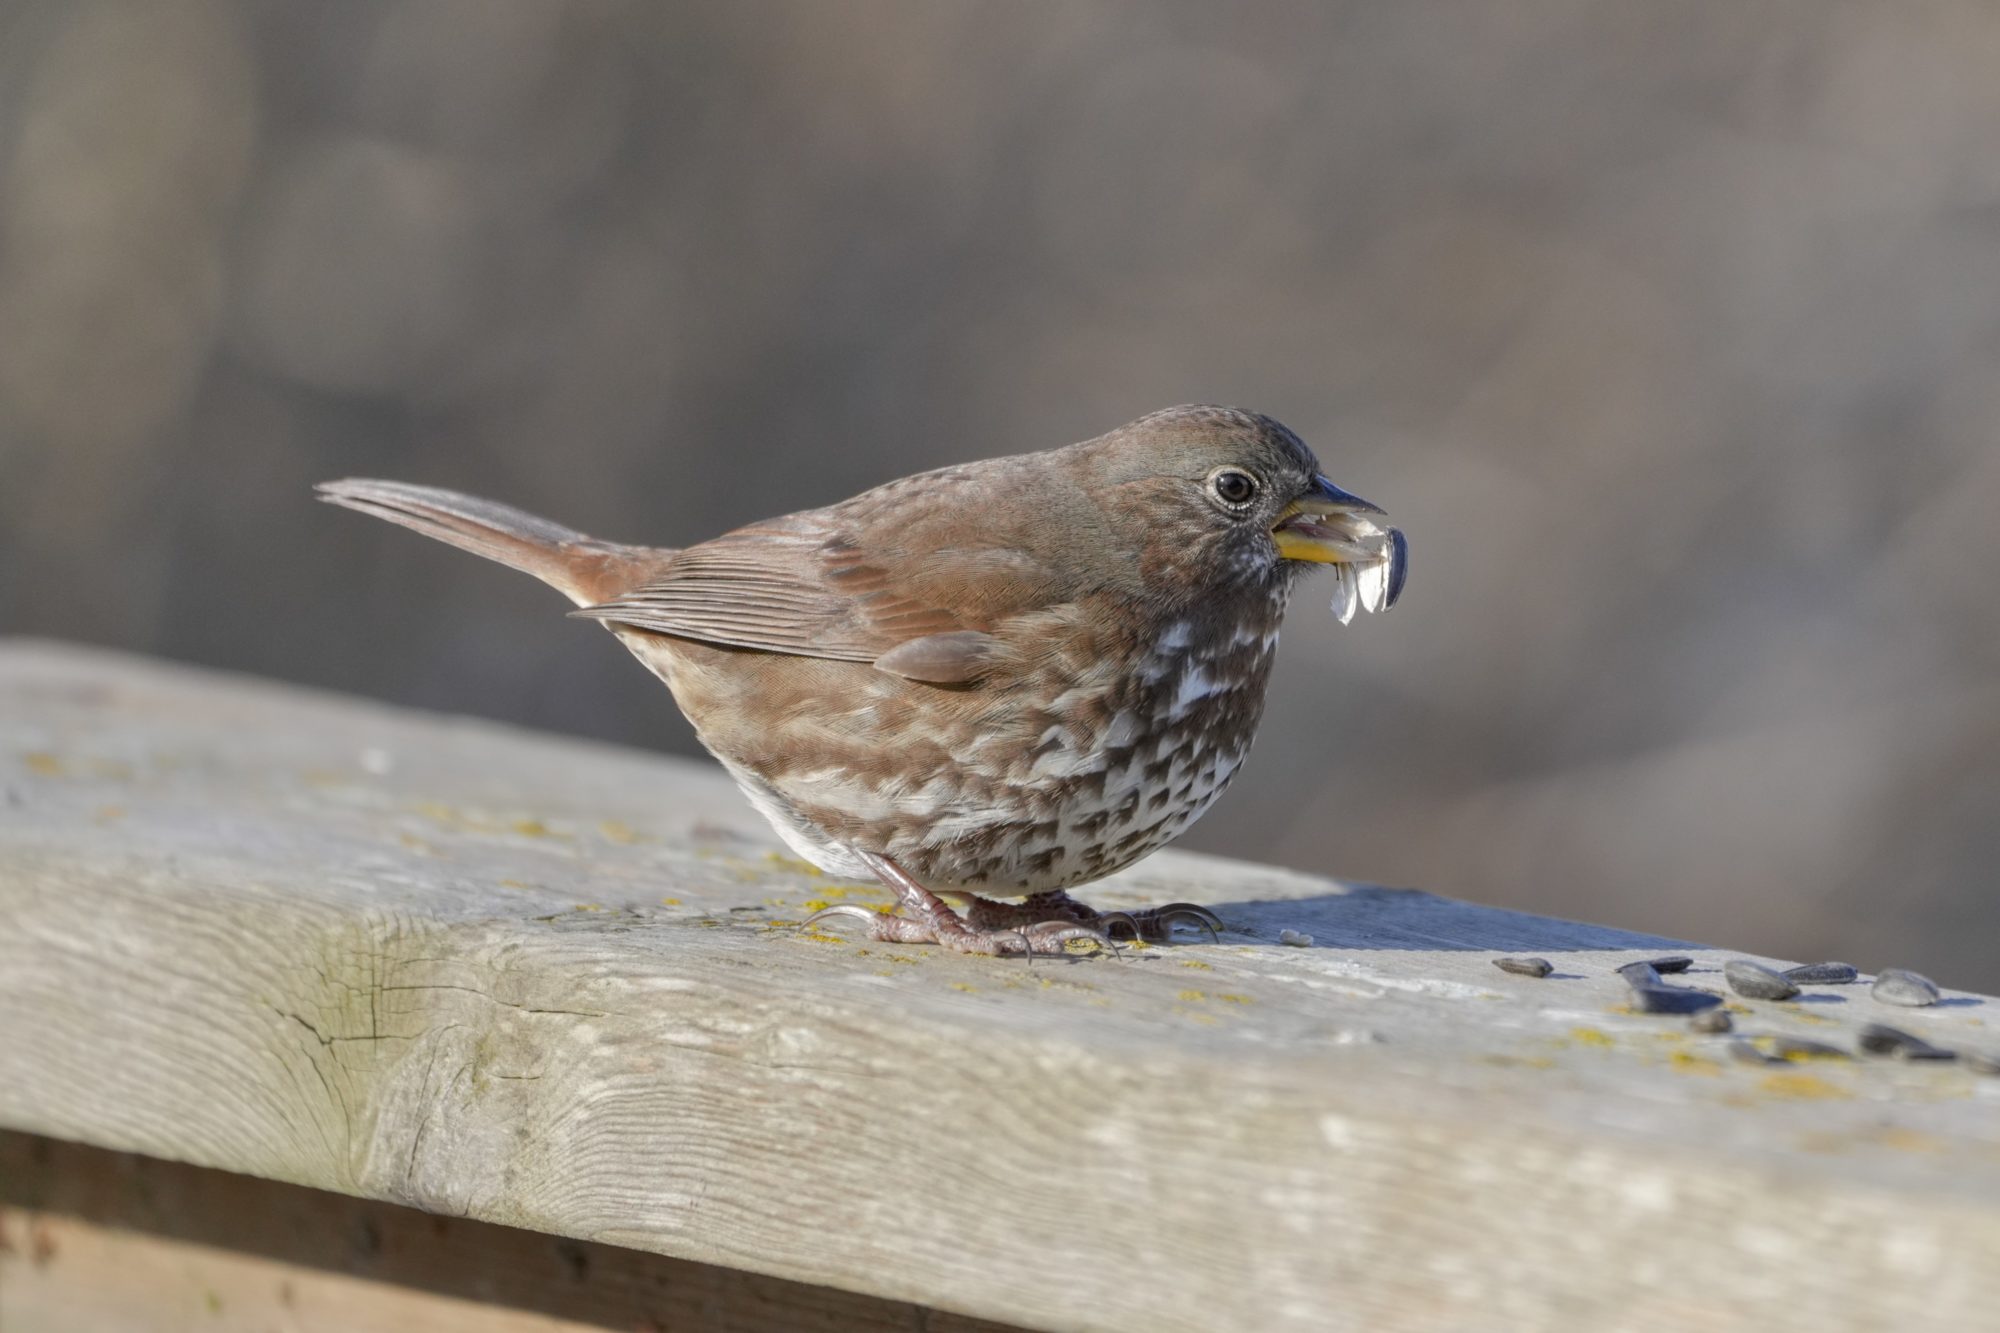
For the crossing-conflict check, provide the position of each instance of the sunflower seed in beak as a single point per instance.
(1372, 582)
(1346, 596)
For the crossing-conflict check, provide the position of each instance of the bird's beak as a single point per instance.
(1328, 526)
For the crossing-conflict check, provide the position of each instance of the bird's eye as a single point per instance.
(1233, 487)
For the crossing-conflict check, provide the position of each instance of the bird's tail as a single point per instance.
(583, 569)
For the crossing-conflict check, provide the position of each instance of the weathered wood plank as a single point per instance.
(107, 1242)
(548, 984)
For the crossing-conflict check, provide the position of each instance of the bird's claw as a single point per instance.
(844, 909)
(1157, 923)
(1054, 936)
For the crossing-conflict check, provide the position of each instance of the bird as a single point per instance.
(995, 680)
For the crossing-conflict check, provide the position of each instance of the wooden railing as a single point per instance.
(560, 987)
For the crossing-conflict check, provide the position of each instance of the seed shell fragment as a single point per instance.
(1899, 985)
(1656, 999)
(1824, 974)
(1756, 982)
(1881, 1039)
(1640, 974)
(1745, 1053)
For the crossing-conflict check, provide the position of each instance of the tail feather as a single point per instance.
(583, 569)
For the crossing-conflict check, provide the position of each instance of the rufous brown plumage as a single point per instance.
(999, 679)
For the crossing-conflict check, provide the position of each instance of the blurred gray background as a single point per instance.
(1667, 331)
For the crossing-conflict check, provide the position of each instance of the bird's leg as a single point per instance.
(1152, 923)
(927, 920)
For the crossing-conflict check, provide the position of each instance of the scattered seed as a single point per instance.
(1525, 967)
(1672, 963)
(1981, 1063)
(1881, 1039)
(1898, 985)
(1657, 999)
(1743, 1052)
(1824, 974)
(1712, 1021)
(1640, 974)
(1754, 981)
(1296, 939)
(1798, 1048)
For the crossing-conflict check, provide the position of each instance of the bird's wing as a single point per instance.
(810, 585)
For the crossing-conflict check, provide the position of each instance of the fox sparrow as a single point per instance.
(1007, 677)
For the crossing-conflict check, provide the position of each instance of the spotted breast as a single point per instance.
(1005, 677)
(1078, 767)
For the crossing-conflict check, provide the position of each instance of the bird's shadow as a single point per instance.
(1368, 917)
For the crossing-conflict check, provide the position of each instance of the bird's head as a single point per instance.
(1216, 497)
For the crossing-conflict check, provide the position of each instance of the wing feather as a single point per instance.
(936, 554)
(798, 586)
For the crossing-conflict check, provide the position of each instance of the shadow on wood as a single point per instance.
(1370, 918)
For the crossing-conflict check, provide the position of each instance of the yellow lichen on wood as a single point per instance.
(1804, 1087)
(1688, 1062)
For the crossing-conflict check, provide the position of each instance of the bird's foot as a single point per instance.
(929, 921)
(1153, 924)
(1043, 937)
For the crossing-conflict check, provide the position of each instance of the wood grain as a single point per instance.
(555, 986)
(108, 1242)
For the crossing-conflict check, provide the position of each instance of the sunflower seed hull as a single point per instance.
(1743, 1052)
(1754, 981)
(1345, 596)
(1823, 974)
(1672, 1000)
(1399, 566)
(1798, 1048)
(1712, 1021)
(1640, 974)
(1898, 985)
(1372, 584)
(1881, 1039)
(1980, 1063)
(1672, 963)
(1525, 967)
